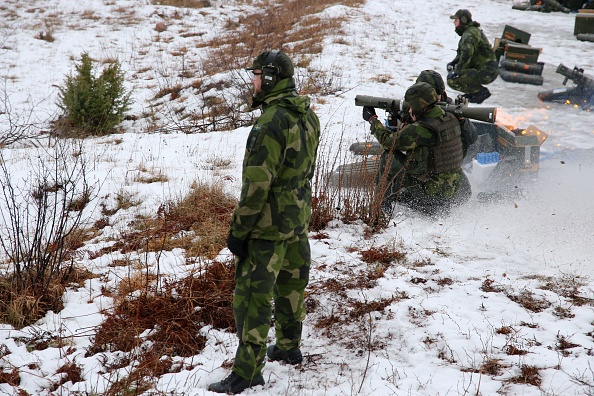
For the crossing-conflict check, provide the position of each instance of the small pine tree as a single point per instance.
(94, 105)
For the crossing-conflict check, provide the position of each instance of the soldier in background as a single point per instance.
(433, 78)
(430, 153)
(475, 64)
(269, 226)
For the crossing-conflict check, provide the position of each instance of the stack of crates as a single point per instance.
(584, 25)
(518, 61)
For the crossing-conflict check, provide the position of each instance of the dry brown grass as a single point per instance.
(198, 223)
(297, 28)
(176, 313)
(11, 378)
(347, 311)
(71, 372)
(382, 254)
(529, 375)
(20, 307)
(530, 301)
(151, 177)
(183, 3)
(568, 287)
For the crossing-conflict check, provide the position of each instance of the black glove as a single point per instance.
(451, 66)
(369, 113)
(236, 245)
(453, 74)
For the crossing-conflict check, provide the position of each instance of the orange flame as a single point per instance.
(519, 119)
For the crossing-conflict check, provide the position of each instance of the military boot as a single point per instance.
(292, 356)
(235, 384)
(478, 97)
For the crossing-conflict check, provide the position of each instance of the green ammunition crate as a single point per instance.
(515, 35)
(521, 53)
(584, 23)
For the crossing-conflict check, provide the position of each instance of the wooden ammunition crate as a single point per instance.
(522, 53)
(584, 22)
(515, 35)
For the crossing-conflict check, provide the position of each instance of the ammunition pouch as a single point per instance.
(448, 153)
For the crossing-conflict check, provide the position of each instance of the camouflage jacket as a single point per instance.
(279, 162)
(416, 141)
(474, 50)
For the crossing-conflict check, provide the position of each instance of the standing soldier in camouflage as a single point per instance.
(269, 226)
(430, 149)
(475, 63)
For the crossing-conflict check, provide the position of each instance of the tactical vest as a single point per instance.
(447, 154)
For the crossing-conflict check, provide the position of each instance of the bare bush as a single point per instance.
(42, 214)
(14, 126)
(344, 190)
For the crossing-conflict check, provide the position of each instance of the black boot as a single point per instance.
(478, 97)
(235, 384)
(292, 356)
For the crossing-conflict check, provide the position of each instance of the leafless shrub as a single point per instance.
(41, 216)
(15, 126)
(343, 190)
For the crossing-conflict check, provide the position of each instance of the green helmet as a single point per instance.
(277, 61)
(434, 79)
(419, 96)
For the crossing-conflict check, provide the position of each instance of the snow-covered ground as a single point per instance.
(434, 341)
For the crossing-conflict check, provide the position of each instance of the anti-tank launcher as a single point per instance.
(501, 160)
(581, 94)
(396, 107)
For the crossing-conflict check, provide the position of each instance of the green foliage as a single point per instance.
(94, 105)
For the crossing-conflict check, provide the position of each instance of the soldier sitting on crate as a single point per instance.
(475, 64)
(427, 153)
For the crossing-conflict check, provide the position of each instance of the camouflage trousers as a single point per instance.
(471, 81)
(273, 270)
(393, 179)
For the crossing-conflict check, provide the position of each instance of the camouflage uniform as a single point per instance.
(433, 78)
(272, 217)
(475, 62)
(391, 160)
(425, 189)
